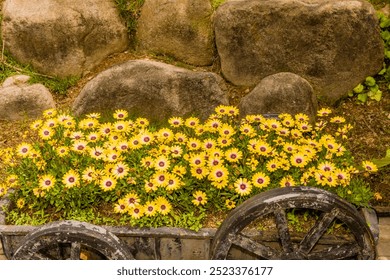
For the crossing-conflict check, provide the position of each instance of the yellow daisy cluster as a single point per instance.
(146, 172)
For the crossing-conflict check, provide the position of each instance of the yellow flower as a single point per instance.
(230, 204)
(24, 150)
(135, 142)
(12, 180)
(120, 207)
(150, 186)
(89, 174)
(301, 117)
(120, 114)
(326, 166)
(142, 122)
(180, 138)
(147, 162)
(146, 137)
(36, 125)
(131, 200)
(209, 144)
(163, 206)
(224, 142)
(194, 144)
(324, 112)
(93, 115)
(3, 190)
(226, 130)
(213, 125)
(71, 179)
(97, 152)
(176, 121)
(233, 155)
(162, 163)
(176, 151)
(263, 148)
(218, 173)
(287, 120)
(200, 198)
(243, 187)
(369, 166)
(49, 113)
(62, 151)
(298, 160)
(173, 182)
(88, 123)
(260, 180)
(191, 122)
(38, 192)
(220, 184)
(179, 170)
(222, 110)
(20, 203)
(287, 181)
(150, 208)
(337, 119)
(136, 212)
(377, 196)
(108, 183)
(160, 178)
(93, 137)
(105, 129)
(199, 172)
(47, 182)
(120, 170)
(272, 165)
(197, 159)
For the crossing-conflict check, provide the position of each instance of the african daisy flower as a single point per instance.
(243, 187)
(47, 182)
(200, 198)
(71, 179)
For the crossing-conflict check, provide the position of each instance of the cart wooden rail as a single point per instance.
(240, 235)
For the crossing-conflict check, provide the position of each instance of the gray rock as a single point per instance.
(280, 93)
(179, 28)
(20, 100)
(334, 44)
(151, 89)
(16, 80)
(62, 38)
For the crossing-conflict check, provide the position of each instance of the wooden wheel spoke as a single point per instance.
(75, 251)
(283, 232)
(254, 247)
(343, 251)
(315, 233)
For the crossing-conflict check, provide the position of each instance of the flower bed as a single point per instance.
(127, 171)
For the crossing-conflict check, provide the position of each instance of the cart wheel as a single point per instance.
(71, 240)
(243, 230)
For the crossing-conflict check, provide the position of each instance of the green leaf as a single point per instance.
(388, 153)
(370, 81)
(362, 97)
(377, 96)
(359, 88)
(381, 162)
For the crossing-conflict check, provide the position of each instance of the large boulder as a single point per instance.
(151, 89)
(280, 93)
(19, 100)
(179, 28)
(334, 44)
(62, 38)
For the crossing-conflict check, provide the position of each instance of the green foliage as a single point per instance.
(216, 3)
(382, 162)
(126, 171)
(130, 12)
(370, 89)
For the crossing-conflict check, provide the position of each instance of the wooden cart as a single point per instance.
(242, 235)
